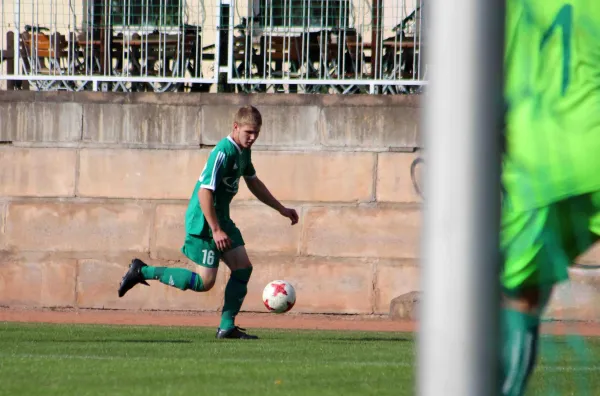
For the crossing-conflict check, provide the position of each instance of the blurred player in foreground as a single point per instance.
(551, 169)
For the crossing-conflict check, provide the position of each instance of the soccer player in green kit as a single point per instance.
(211, 235)
(551, 169)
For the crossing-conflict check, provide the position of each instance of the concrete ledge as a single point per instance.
(393, 126)
(143, 124)
(282, 125)
(149, 119)
(197, 98)
(40, 121)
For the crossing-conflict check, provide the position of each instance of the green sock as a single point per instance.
(180, 278)
(235, 291)
(519, 351)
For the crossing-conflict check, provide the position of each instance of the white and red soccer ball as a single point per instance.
(279, 296)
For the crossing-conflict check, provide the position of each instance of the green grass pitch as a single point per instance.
(52, 359)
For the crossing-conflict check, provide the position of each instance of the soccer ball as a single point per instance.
(279, 296)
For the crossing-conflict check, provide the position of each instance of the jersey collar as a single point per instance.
(235, 144)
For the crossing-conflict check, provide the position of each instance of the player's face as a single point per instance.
(246, 134)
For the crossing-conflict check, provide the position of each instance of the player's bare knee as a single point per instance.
(237, 259)
(209, 283)
(237, 265)
(208, 276)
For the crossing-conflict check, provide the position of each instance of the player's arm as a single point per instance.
(205, 196)
(260, 191)
(210, 179)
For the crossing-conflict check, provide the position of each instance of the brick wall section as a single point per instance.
(90, 181)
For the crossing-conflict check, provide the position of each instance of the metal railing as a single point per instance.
(327, 45)
(337, 46)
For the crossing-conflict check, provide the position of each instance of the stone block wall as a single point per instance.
(90, 180)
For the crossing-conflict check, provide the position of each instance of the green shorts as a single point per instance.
(203, 251)
(539, 245)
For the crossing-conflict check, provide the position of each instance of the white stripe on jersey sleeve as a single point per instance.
(216, 168)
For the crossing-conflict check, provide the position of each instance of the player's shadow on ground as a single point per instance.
(372, 339)
(132, 341)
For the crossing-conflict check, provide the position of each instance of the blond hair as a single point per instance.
(248, 115)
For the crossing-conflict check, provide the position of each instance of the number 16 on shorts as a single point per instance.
(201, 251)
(208, 257)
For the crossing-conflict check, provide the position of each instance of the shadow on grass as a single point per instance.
(370, 339)
(127, 341)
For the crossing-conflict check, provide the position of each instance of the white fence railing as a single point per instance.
(338, 46)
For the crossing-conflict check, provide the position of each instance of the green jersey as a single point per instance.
(226, 163)
(552, 92)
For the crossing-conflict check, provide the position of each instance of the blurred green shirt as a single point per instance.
(552, 92)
